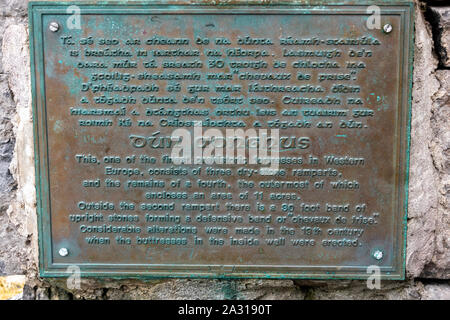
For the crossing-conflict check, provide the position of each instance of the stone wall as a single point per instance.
(428, 254)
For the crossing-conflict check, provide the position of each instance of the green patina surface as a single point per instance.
(37, 8)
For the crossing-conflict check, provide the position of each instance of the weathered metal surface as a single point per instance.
(359, 77)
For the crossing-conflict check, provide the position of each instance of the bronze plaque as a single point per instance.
(231, 141)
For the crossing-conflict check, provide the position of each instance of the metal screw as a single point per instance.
(388, 28)
(63, 252)
(54, 26)
(378, 254)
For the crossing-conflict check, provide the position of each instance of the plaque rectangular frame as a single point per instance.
(48, 268)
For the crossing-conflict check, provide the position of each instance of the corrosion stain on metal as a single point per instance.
(80, 133)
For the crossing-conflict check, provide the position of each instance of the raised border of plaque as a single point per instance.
(48, 268)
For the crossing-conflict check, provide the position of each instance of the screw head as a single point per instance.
(378, 254)
(63, 252)
(388, 28)
(54, 26)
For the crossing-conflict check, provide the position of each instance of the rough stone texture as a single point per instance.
(428, 224)
(352, 290)
(9, 262)
(13, 8)
(12, 242)
(422, 202)
(7, 183)
(441, 17)
(207, 289)
(437, 292)
(9, 9)
(16, 60)
(242, 289)
(439, 266)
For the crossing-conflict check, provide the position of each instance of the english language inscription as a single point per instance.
(232, 141)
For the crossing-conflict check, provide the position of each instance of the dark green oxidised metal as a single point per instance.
(61, 85)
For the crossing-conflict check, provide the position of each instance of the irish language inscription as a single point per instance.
(222, 143)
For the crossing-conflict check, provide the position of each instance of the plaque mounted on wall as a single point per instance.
(240, 140)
